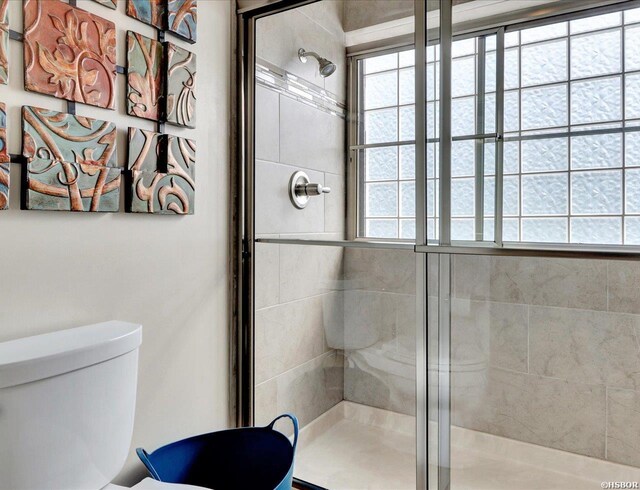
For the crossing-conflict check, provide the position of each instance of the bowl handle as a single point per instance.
(144, 457)
(294, 420)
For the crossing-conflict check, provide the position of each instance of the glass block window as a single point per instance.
(473, 155)
(572, 93)
(387, 143)
(571, 142)
(386, 146)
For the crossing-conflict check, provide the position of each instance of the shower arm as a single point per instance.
(303, 54)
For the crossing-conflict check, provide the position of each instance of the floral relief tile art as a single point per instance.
(181, 86)
(112, 4)
(181, 158)
(182, 18)
(64, 186)
(4, 152)
(52, 135)
(4, 159)
(145, 150)
(72, 164)
(4, 185)
(145, 79)
(161, 172)
(179, 17)
(150, 12)
(69, 53)
(4, 41)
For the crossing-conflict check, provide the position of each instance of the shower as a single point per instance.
(326, 68)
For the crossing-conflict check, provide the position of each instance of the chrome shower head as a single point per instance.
(326, 67)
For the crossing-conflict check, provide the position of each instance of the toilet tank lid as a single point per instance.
(42, 356)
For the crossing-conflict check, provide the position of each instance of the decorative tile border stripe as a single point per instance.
(270, 76)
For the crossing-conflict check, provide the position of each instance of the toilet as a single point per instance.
(67, 404)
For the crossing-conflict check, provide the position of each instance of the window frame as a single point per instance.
(356, 146)
(356, 230)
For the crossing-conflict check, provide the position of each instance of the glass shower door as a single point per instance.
(334, 319)
(532, 354)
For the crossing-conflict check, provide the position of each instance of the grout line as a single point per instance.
(313, 296)
(565, 380)
(528, 339)
(279, 273)
(606, 421)
(324, 354)
(607, 286)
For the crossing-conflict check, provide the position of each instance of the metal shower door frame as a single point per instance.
(244, 239)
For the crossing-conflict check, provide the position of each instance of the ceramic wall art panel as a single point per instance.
(69, 53)
(150, 12)
(4, 152)
(4, 185)
(181, 86)
(182, 18)
(179, 17)
(161, 193)
(144, 152)
(4, 41)
(63, 186)
(112, 4)
(162, 173)
(145, 80)
(4, 159)
(52, 135)
(181, 158)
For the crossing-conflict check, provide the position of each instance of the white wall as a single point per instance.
(169, 273)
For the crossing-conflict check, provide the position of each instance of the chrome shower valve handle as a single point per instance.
(312, 189)
(301, 189)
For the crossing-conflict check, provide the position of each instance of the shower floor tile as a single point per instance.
(354, 447)
(349, 448)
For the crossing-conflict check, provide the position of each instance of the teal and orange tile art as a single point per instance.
(52, 135)
(145, 80)
(4, 160)
(182, 18)
(4, 41)
(181, 86)
(161, 173)
(71, 162)
(69, 53)
(64, 186)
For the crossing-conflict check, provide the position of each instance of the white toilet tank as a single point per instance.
(67, 403)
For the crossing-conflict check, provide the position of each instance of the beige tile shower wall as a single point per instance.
(299, 327)
(547, 351)
(379, 328)
(169, 273)
(299, 300)
(292, 136)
